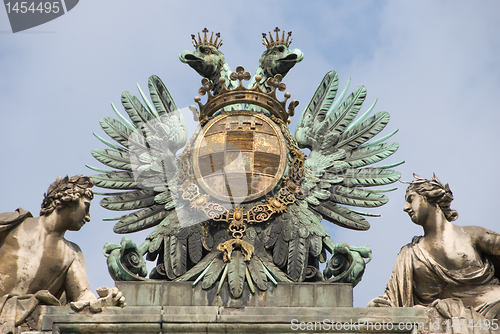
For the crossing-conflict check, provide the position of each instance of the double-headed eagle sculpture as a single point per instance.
(242, 202)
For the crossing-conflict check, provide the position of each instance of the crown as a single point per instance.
(209, 42)
(239, 95)
(269, 43)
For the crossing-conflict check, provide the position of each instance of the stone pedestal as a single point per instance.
(166, 307)
(216, 319)
(157, 293)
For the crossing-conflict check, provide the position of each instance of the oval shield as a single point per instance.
(239, 157)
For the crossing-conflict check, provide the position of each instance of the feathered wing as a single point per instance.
(177, 247)
(294, 239)
(144, 163)
(337, 174)
(337, 171)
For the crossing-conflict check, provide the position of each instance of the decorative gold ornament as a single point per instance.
(258, 213)
(269, 43)
(228, 246)
(241, 95)
(208, 42)
(239, 157)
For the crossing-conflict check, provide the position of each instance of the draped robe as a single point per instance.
(417, 279)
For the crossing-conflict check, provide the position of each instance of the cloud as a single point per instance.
(433, 66)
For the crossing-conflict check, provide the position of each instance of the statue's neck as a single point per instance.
(225, 73)
(262, 74)
(436, 225)
(53, 224)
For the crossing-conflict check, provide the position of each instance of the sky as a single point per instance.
(433, 65)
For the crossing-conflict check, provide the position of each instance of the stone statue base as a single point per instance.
(286, 308)
(219, 319)
(161, 293)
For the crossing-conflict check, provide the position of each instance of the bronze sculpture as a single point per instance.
(243, 203)
(449, 265)
(39, 264)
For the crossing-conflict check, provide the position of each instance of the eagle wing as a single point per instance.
(146, 176)
(338, 171)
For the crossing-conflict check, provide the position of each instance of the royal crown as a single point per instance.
(248, 96)
(269, 43)
(207, 41)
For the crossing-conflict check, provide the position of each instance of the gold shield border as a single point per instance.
(278, 176)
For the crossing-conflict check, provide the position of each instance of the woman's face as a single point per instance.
(417, 207)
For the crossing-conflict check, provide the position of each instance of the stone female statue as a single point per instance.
(449, 262)
(38, 265)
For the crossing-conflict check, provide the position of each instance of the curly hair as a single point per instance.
(435, 192)
(66, 190)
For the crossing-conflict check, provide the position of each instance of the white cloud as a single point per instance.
(433, 66)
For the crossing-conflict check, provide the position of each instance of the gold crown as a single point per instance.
(240, 95)
(209, 42)
(269, 43)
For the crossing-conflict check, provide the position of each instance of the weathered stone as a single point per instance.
(215, 319)
(55, 317)
(452, 268)
(161, 293)
(38, 265)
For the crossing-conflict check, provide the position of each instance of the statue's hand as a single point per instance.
(107, 297)
(111, 297)
(379, 302)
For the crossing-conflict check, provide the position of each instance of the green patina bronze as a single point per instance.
(271, 234)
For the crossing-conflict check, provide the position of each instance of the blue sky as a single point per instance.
(433, 65)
